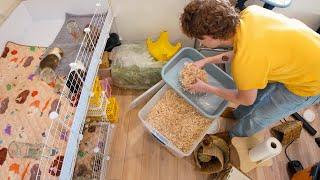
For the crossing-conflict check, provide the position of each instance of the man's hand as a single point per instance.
(199, 87)
(201, 63)
(244, 97)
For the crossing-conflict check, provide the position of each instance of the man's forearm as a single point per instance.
(219, 59)
(229, 95)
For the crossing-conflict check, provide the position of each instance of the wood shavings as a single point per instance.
(178, 121)
(190, 73)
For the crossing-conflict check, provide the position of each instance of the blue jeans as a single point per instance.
(272, 104)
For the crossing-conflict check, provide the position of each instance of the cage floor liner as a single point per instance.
(25, 104)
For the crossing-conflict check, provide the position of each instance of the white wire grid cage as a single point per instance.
(69, 117)
(96, 146)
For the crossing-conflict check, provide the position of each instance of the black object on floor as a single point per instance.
(318, 30)
(306, 125)
(112, 42)
(240, 4)
(317, 141)
(315, 172)
(268, 6)
(294, 166)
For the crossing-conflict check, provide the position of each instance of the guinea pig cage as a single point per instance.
(60, 120)
(44, 125)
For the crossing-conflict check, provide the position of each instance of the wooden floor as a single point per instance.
(136, 155)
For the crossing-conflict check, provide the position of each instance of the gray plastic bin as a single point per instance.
(209, 105)
(143, 116)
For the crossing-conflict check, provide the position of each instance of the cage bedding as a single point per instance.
(180, 123)
(189, 75)
(25, 104)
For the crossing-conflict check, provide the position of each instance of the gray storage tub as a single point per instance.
(209, 105)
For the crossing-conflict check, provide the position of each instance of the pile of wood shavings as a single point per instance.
(178, 121)
(190, 73)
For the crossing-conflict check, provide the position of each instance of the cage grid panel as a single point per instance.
(93, 153)
(64, 133)
(106, 151)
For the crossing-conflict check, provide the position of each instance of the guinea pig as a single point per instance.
(76, 77)
(52, 59)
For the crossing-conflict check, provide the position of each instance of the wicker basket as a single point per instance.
(287, 131)
(211, 155)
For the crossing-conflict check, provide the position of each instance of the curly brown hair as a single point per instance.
(215, 18)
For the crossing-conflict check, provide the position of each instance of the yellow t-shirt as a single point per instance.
(270, 47)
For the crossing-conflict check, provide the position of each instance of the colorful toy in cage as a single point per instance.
(74, 30)
(28, 150)
(98, 101)
(106, 86)
(95, 100)
(94, 111)
(105, 61)
(162, 49)
(112, 110)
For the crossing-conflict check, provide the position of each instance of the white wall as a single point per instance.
(56, 9)
(307, 11)
(137, 19)
(37, 22)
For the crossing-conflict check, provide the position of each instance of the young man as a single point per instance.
(275, 62)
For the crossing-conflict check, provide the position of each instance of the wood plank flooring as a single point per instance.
(136, 155)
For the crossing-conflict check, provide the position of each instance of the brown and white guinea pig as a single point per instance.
(52, 59)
